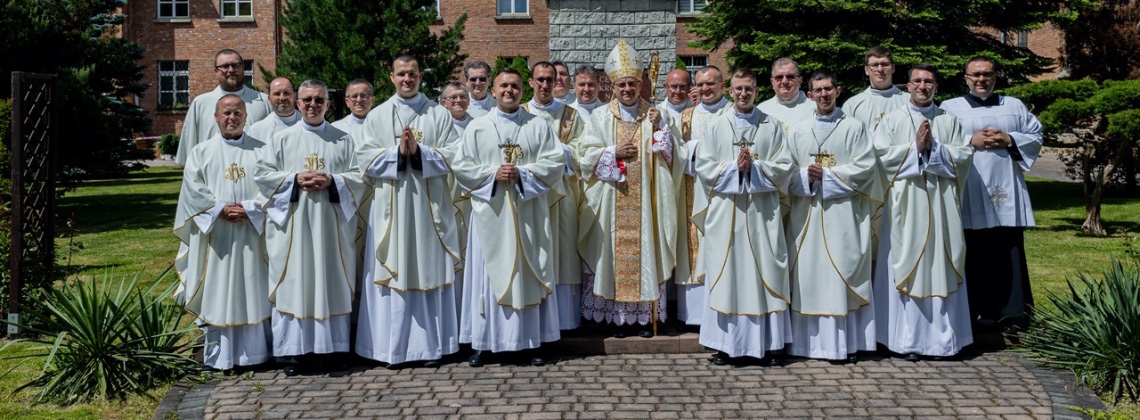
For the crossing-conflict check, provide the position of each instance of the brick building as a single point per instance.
(182, 36)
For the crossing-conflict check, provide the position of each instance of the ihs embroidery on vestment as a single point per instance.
(314, 162)
(235, 173)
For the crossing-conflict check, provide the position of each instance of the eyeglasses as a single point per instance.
(677, 87)
(318, 100)
(623, 85)
(544, 80)
(785, 76)
(820, 90)
(228, 66)
(878, 65)
(742, 89)
(981, 74)
(360, 97)
(477, 79)
(920, 82)
(454, 98)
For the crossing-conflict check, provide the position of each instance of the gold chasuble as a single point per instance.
(628, 230)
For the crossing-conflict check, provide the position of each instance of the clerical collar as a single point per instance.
(829, 120)
(743, 119)
(679, 107)
(794, 101)
(463, 122)
(413, 103)
(320, 129)
(239, 92)
(484, 103)
(926, 111)
(714, 107)
(237, 141)
(352, 120)
(287, 121)
(553, 106)
(503, 117)
(886, 93)
(976, 102)
(629, 112)
(590, 107)
(566, 99)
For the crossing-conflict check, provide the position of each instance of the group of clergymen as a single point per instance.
(789, 227)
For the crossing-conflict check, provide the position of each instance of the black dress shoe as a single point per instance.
(476, 359)
(619, 333)
(291, 369)
(775, 360)
(912, 357)
(645, 332)
(721, 358)
(537, 361)
(432, 363)
(852, 358)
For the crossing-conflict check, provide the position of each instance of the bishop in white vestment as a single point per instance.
(508, 162)
(921, 308)
(408, 309)
(832, 196)
(744, 167)
(221, 257)
(310, 175)
(199, 124)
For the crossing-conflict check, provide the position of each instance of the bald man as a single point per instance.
(677, 99)
(282, 98)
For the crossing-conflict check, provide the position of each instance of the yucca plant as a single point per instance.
(105, 339)
(1094, 330)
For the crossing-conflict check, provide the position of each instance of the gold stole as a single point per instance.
(566, 124)
(628, 224)
(686, 135)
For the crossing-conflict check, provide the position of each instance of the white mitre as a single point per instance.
(623, 61)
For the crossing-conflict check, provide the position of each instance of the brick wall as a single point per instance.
(685, 36)
(487, 37)
(196, 39)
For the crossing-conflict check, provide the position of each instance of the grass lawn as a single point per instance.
(125, 225)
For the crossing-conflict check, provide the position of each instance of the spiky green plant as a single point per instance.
(1094, 330)
(105, 339)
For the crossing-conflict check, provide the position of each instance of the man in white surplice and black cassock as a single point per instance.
(920, 294)
(411, 251)
(199, 124)
(995, 204)
(744, 166)
(310, 175)
(221, 265)
(508, 161)
(284, 101)
(833, 195)
(567, 127)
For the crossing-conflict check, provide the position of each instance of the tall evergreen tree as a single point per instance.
(835, 33)
(340, 40)
(98, 74)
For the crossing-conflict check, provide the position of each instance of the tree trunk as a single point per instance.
(1093, 225)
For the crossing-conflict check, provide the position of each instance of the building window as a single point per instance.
(694, 63)
(513, 7)
(173, 84)
(1023, 39)
(237, 8)
(248, 64)
(688, 7)
(170, 9)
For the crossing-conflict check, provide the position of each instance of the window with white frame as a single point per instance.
(694, 63)
(237, 8)
(1023, 39)
(688, 7)
(435, 5)
(248, 64)
(169, 9)
(513, 7)
(173, 84)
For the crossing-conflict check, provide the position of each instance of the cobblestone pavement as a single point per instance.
(993, 385)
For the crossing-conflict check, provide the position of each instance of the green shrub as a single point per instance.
(1094, 330)
(105, 339)
(168, 144)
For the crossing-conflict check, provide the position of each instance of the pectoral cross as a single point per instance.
(744, 145)
(314, 162)
(824, 158)
(512, 153)
(235, 173)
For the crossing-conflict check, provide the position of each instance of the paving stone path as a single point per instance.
(664, 386)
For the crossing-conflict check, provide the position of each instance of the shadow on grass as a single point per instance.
(94, 214)
(136, 178)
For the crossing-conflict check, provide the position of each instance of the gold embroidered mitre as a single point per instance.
(622, 62)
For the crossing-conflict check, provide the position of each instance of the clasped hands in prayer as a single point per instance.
(234, 213)
(923, 140)
(507, 172)
(990, 138)
(408, 145)
(744, 161)
(313, 180)
(627, 150)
